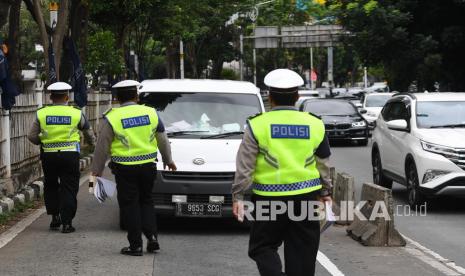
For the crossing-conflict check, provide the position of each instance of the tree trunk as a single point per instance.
(217, 68)
(37, 9)
(191, 55)
(59, 33)
(171, 64)
(4, 8)
(13, 57)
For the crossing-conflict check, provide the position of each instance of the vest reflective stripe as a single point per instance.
(287, 141)
(122, 159)
(289, 189)
(59, 128)
(134, 127)
(60, 145)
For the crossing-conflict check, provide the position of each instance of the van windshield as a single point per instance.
(194, 115)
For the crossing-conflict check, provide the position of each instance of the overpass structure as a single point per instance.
(307, 36)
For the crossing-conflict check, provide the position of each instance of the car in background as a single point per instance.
(378, 87)
(372, 104)
(419, 141)
(205, 120)
(341, 118)
(305, 94)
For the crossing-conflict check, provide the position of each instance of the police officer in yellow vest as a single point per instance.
(284, 157)
(56, 129)
(132, 134)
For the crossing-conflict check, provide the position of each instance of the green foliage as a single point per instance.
(17, 210)
(103, 57)
(412, 40)
(229, 74)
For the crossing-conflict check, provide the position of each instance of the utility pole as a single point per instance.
(311, 68)
(365, 77)
(181, 58)
(330, 70)
(241, 60)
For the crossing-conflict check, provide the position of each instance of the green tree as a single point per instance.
(103, 58)
(410, 39)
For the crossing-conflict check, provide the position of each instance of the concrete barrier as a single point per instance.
(38, 187)
(29, 193)
(7, 204)
(380, 231)
(343, 192)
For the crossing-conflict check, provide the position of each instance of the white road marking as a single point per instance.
(19, 227)
(328, 265)
(432, 258)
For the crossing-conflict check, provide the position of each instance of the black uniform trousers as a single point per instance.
(61, 183)
(301, 240)
(134, 185)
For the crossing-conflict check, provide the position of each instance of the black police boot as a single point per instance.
(68, 228)
(132, 251)
(56, 222)
(152, 244)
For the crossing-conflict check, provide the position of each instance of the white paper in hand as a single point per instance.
(103, 189)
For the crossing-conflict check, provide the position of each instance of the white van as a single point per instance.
(205, 120)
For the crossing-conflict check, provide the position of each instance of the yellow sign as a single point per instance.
(53, 6)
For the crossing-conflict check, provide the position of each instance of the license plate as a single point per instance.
(199, 209)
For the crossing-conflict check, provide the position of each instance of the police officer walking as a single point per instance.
(132, 134)
(56, 129)
(284, 156)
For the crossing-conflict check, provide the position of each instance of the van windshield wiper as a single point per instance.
(184, 132)
(222, 135)
(447, 126)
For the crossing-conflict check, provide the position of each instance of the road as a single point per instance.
(218, 247)
(441, 230)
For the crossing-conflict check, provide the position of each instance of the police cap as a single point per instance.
(59, 87)
(283, 80)
(127, 85)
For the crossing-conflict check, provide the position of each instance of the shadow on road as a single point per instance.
(436, 205)
(345, 144)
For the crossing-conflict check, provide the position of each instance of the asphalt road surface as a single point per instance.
(441, 230)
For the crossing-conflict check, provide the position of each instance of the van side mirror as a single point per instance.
(363, 111)
(400, 125)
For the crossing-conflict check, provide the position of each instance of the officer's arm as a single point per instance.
(163, 143)
(33, 135)
(102, 148)
(245, 165)
(87, 130)
(322, 154)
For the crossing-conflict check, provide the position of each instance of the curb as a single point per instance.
(34, 190)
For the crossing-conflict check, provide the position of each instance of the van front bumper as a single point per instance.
(196, 186)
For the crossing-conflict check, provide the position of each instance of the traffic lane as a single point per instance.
(441, 230)
(92, 250)
(192, 247)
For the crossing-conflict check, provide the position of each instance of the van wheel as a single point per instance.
(378, 176)
(415, 196)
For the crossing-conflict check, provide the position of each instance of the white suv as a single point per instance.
(419, 141)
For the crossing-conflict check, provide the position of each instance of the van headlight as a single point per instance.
(433, 174)
(359, 124)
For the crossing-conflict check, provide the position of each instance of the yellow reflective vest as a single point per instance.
(59, 128)
(135, 140)
(287, 141)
